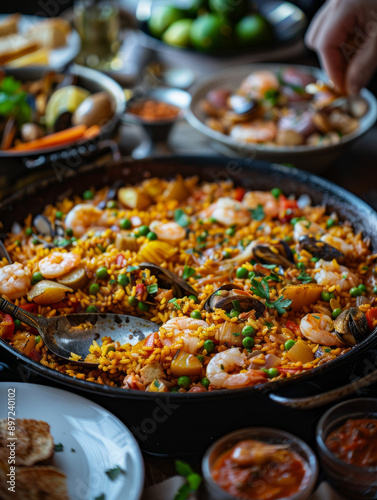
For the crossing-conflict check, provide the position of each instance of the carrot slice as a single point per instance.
(55, 139)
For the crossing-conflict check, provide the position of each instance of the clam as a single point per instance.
(224, 299)
(320, 249)
(351, 326)
(167, 279)
(279, 254)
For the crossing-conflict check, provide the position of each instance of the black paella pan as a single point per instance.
(184, 424)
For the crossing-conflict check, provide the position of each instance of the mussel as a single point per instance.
(279, 254)
(225, 296)
(44, 228)
(167, 279)
(321, 249)
(241, 108)
(351, 326)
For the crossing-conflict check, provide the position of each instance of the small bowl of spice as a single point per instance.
(259, 463)
(347, 445)
(157, 111)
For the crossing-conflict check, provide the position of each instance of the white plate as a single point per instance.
(58, 58)
(100, 441)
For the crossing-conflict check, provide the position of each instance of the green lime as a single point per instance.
(253, 30)
(178, 33)
(209, 32)
(230, 9)
(162, 17)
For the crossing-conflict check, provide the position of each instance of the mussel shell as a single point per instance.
(246, 303)
(320, 249)
(213, 299)
(43, 226)
(241, 105)
(351, 326)
(265, 255)
(165, 277)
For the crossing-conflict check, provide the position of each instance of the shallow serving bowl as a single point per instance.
(313, 158)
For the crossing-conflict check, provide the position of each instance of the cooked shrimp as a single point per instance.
(182, 329)
(14, 281)
(256, 131)
(269, 203)
(228, 212)
(131, 382)
(250, 452)
(338, 243)
(319, 328)
(333, 274)
(258, 83)
(83, 217)
(170, 232)
(304, 227)
(58, 263)
(220, 366)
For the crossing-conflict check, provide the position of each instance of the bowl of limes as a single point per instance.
(220, 32)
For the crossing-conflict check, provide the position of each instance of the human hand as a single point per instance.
(344, 33)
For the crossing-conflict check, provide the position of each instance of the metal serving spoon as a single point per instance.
(75, 333)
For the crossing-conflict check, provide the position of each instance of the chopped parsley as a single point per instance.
(257, 213)
(192, 483)
(327, 349)
(188, 272)
(269, 325)
(222, 367)
(130, 269)
(316, 317)
(58, 447)
(114, 473)
(261, 289)
(304, 277)
(152, 288)
(271, 96)
(174, 302)
(181, 218)
(236, 305)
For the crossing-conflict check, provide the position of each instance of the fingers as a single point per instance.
(361, 67)
(315, 26)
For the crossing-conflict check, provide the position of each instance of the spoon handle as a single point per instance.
(18, 313)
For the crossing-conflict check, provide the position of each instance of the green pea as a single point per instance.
(212, 220)
(248, 342)
(242, 273)
(301, 265)
(205, 382)
(276, 192)
(59, 215)
(234, 313)
(362, 287)
(111, 204)
(125, 224)
(336, 312)
(375, 290)
(314, 259)
(248, 331)
(355, 292)
(143, 307)
(88, 195)
(36, 278)
(94, 289)
(101, 247)
(196, 314)
(152, 236)
(193, 297)
(327, 296)
(91, 309)
(18, 243)
(209, 346)
(200, 358)
(251, 275)
(123, 279)
(28, 231)
(102, 273)
(230, 231)
(227, 255)
(289, 344)
(272, 372)
(143, 230)
(330, 223)
(35, 241)
(37, 339)
(132, 301)
(17, 323)
(184, 381)
(69, 232)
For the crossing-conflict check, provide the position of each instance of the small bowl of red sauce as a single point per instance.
(347, 445)
(259, 463)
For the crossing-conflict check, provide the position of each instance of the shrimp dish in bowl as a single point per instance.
(244, 286)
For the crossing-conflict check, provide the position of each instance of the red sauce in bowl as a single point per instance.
(254, 470)
(355, 442)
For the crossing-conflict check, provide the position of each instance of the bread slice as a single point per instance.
(9, 25)
(38, 58)
(51, 33)
(36, 483)
(14, 46)
(34, 442)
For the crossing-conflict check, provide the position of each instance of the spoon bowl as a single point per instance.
(75, 333)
